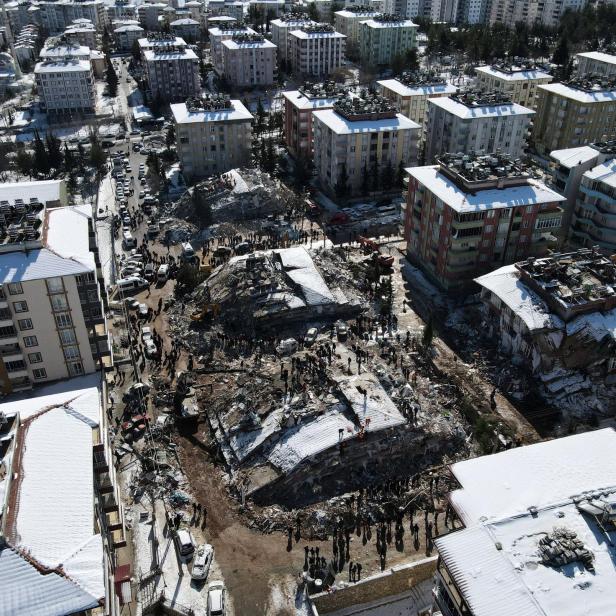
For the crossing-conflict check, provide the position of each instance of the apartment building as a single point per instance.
(467, 215)
(249, 60)
(530, 12)
(298, 108)
(83, 32)
(172, 72)
(125, 36)
(214, 134)
(518, 80)
(52, 320)
(56, 16)
(410, 93)
(347, 21)
(596, 64)
(384, 37)
(472, 11)
(187, 28)
(224, 31)
(315, 50)
(575, 113)
(509, 548)
(66, 86)
(149, 14)
(281, 27)
(361, 144)
(474, 121)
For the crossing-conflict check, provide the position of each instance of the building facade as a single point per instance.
(214, 135)
(315, 50)
(384, 37)
(281, 27)
(224, 32)
(467, 215)
(249, 60)
(518, 81)
(596, 64)
(66, 86)
(573, 114)
(187, 28)
(476, 122)
(347, 21)
(361, 144)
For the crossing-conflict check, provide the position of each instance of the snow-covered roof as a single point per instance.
(316, 35)
(403, 23)
(146, 43)
(599, 56)
(571, 157)
(291, 23)
(65, 51)
(297, 99)
(152, 55)
(299, 266)
(341, 126)
(53, 494)
(65, 222)
(356, 15)
(128, 28)
(216, 31)
(582, 96)
(403, 90)
(187, 21)
(63, 66)
(264, 44)
(495, 561)
(141, 112)
(532, 193)
(236, 112)
(45, 191)
(484, 111)
(522, 75)
(604, 173)
(37, 264)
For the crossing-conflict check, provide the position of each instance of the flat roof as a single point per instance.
(178, 41)
(37, 264)
(179, 54)
(605, 173)
(403, 23)
(237, 111)
(187, 21)
(308, 35)
(354, 15)
(264, 44)
(45, 191)
(64, 222)
(581, 96)
(63, 66)
(480, 111)
(571, 157)
(341, 126)
(598, 55)
(534, 192)
(296, 98)
(63, 51)
(521, 75)
(420, 90)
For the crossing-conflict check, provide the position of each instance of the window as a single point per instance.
(35, 358)
(63, 319)
(39, 373)
(75, 368)
(14, 366)
(55, 285)
(71, 352)
(30, 341)
(58, 302)
(20, 306)
(15, 288)
(25, 324)
(67, 336)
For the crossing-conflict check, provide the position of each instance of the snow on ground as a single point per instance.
(106, 203)
(284, 599)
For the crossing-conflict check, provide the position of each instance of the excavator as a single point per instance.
(370, 246)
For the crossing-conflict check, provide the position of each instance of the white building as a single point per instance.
(532, 515)
(125, 36)
(249, 60)
(149, 14)
(365, 140)
(347, 21)
(66, 86)
(214, 135)
(82, 31)
(56, 16)
(519, 81)
(384, 37)
(224, 31)
(476, 122)
(530, 12)
(187, 28)
(596, 64)
(281, 27)
(315, 50)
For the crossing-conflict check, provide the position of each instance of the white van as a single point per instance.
(128, 241)
(163, 273)
(131, 284)
(188, 252)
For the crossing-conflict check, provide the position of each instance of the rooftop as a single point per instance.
(604, 173)
(365, 107)
(475, 104)
(169, 52)
(324, 89)
(584, 91)
(343, 126)
(358, 11)
(210, 109)
(420, 88)
(601, 56)
(299, 99)
(539, 524)
(63, 65)
(384, 20)
(517, 70)
(292, 17)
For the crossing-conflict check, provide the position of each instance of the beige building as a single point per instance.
(66, 86)
(410, 93)
(281, 27)
(596, 64)
(384, 37)
(52, 324)
(249, 60)
(224, 32)
(574, 113)
(213, 135)
(347, 21)
(315, 50)
(518, 81)
(364, 139)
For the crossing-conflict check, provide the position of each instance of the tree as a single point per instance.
(136, 51)
(428, 334)
(412, 59)
(375, 177)
(24, 162)
(41, 158)
(313, 12)
(112, 79)
(260, 123)
(69, 159)
(398, 63)
(201, 208)
(302, 171)
(388, 176)
(54, 151)
(98, 157)
(401, 174)
(561, 53)
(342, 184)
(170, 137)
(268, 161)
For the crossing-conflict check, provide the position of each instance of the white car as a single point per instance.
(143, 310)
(216, 599)
(311, 336)
(146, 334)
(151, 350)
(202, 562)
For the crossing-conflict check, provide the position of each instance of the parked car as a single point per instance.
(149, 272)
(342, 330)
(216, 599)
(185, 543)
(151, 350)
(202, 562)
(311, 336)
(143, 310)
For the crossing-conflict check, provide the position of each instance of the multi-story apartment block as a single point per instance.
(121, 11)
(467, 215)
(60, 506)
(281, 27)
(214, 135)
(596, 64)
(574, 113)
(196, 10)
(298, 108)
(410, 93)
(476, 122)
(187, 28)
(385, 37)
(315, 49)
(472, 11)
(158, 40)
(56, 16)
(66, 86)
(518, 80)
(125, 36)
(364, 141)
(52, 320)
(149, 14)
(530, 12)
(594, 215)
(83, 32)
(62, 48)
(224, 31)
(347, 21)
(172, 71)
(249, 60)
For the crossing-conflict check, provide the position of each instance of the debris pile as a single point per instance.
(563, 547)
